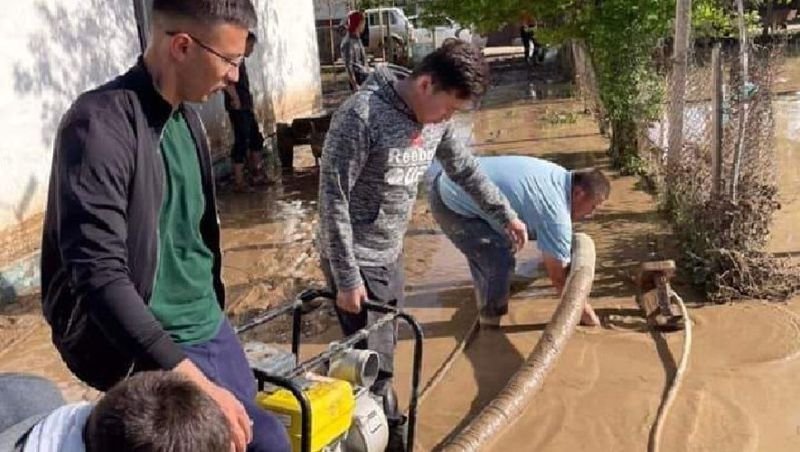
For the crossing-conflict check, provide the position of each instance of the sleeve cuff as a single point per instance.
(349, 279)
(166, 353)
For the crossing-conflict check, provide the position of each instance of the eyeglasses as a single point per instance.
(234, 62)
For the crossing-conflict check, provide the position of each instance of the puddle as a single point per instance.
(785, 237)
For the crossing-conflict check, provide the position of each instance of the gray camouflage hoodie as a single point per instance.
(374, 156)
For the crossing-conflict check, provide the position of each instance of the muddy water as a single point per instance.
(604, 393)
(267, 240)
(785, 237)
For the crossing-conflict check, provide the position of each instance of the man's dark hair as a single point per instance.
(252, 39)
(157, 412)
(210, 12)
(592, 181)
(456, 66)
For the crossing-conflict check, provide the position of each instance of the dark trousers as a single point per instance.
(222, 360)
(526, 44)
(384, 285)
(246, 134)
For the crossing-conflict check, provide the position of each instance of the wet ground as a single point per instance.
(785, 236)
(604, 391)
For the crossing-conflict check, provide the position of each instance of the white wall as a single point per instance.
(50, 51)
(284, 69)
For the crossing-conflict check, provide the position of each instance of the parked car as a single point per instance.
(389, 28)
(429, 37)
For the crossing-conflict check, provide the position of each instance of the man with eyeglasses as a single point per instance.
(131, 247)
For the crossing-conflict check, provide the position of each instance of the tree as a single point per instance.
(621, 36)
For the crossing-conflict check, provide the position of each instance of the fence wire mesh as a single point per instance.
(722, 231)
(721, 188)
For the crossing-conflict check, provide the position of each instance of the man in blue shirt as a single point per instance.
(545, 196)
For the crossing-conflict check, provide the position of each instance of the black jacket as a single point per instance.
(100, 243)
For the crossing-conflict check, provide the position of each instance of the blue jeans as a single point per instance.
(489, 253)
(222, 360)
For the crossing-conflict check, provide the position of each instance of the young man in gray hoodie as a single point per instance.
(380, 143)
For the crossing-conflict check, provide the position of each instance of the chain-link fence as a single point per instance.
(585, 79)
(715, 171)
(717, 176)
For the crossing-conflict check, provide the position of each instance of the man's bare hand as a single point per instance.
(589, 317)
(518, 233)
(240, 424)
(350, 300)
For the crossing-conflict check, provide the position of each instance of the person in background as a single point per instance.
(353, 54)
(526, 34)
(248, 143)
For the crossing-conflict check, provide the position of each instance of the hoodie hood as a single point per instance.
(382, 84)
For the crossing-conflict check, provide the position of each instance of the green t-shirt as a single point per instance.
(183, 298)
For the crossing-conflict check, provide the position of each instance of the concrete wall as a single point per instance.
(285, 65)
(52, 50)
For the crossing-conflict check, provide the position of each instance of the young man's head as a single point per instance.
(157, 412)
(452, 78)
(198, 45)
(590, 189)
(356, 22)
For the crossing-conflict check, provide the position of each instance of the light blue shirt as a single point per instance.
(539, 191)
(61, 430)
